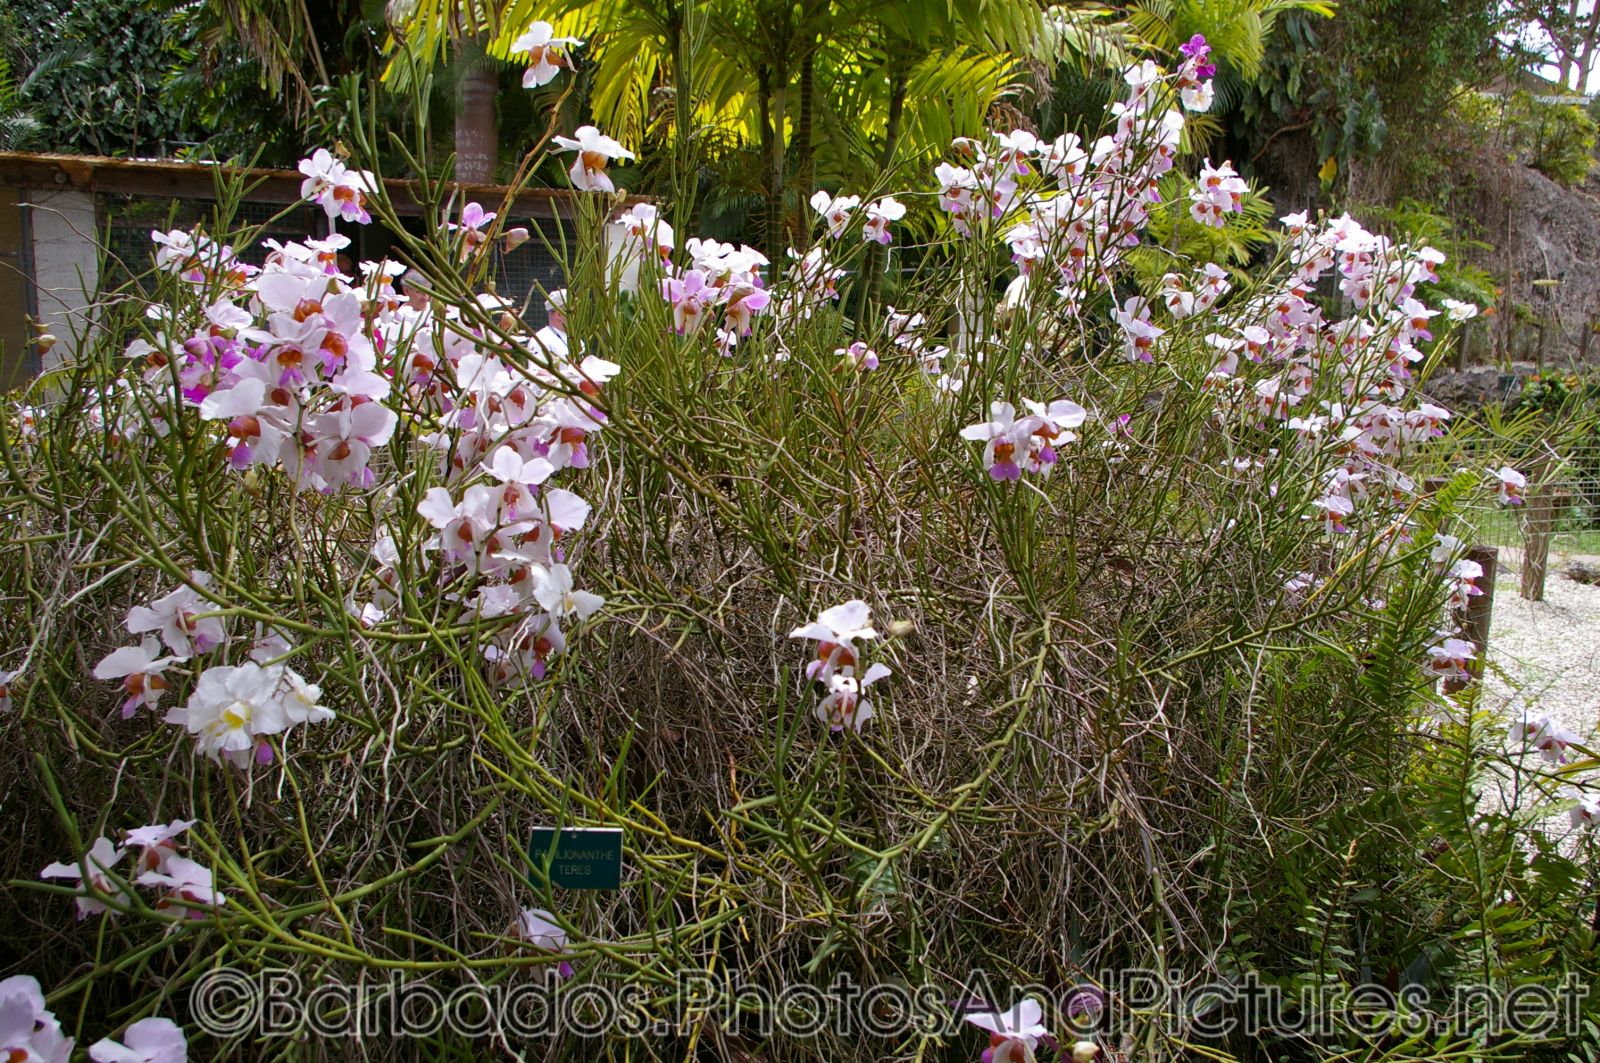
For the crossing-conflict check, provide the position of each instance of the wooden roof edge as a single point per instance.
(197, 180)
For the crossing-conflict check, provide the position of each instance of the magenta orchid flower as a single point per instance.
(140, 668)
(339, 191)
(90, 873)
(546, 53)
(595, 151)
(152, 1040)
(1013, 1034)
(1003, 435)
(1512, 484)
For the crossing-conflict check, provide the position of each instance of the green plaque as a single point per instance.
(576, 858)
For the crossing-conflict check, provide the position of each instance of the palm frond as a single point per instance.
(950, 95)
(1237, 30)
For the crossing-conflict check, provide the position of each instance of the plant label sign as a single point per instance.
(576, 858)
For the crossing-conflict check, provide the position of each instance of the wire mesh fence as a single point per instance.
(1562, 508)
(128, 220)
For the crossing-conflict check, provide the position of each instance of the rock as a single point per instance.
(1477, 386)
(1551, 233)
(1582, 572)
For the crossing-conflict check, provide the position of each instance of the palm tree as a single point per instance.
(302, 45)
(880, 77)
(422, 33)
(477, 134)
(299, 45)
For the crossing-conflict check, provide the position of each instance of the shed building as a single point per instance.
(73, 226)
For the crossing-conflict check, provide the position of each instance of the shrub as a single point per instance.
(1152, 661)
(1557, 139)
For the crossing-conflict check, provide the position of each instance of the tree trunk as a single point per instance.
(477, 141)
(891, 128)
(685, 176)
(806, 171)
(1586, 51)
(769, 92)
(876, 258)
(775, 191)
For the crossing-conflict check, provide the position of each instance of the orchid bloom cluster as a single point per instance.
(720, 283)
(1294, 381)
(838, 213)
(1219, 191)
(31, 1033)
(473, 230)
(305, 369)
(503, 426)
(838, 659)
(338, 190)
(727, 285)
(1449, 659)
(1075, 208)
(1184, 297)
(648, 231)
(813, 281)
(286, 363)
(1461, 573)
(1195, 73)
(1537, 731)
(1069, 211)
(907, 333)
(1283, 367)
(1015, 444)
(198, 259)
(235, 708)
(505, 430)
(182, 883)
(232, 709)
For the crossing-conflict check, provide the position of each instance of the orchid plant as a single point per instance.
(389, 574)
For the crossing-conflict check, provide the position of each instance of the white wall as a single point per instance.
(65, 265)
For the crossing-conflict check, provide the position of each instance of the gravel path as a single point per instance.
(1549, 651)
(1545, 657)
